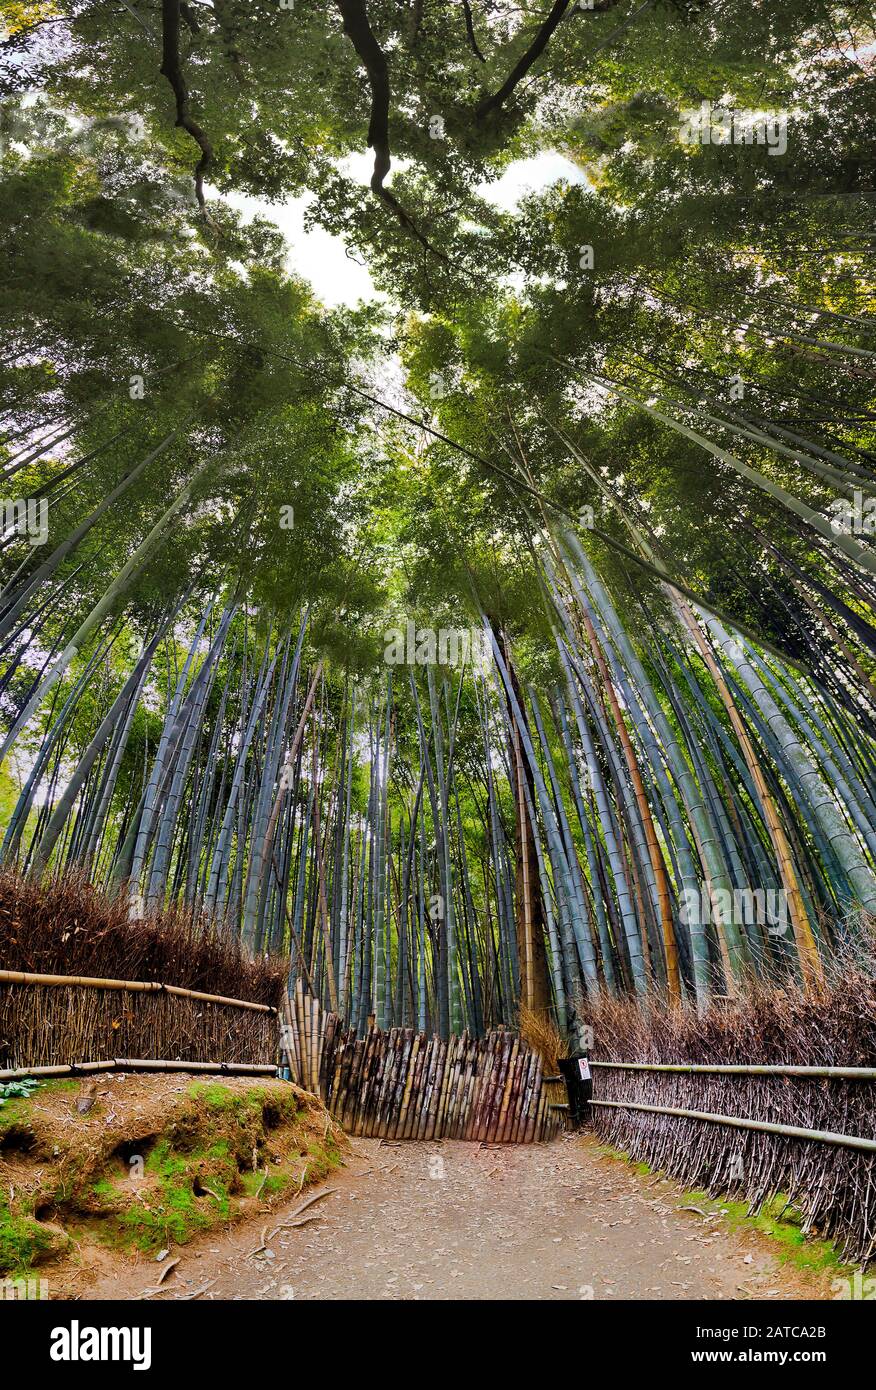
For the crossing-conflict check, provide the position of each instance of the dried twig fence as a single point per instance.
(401, 1084)
(805, 1132)
(51, 1020)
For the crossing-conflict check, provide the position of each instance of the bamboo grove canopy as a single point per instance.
(507, 637)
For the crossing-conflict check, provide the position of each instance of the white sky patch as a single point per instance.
(322, 259)
(530, 176)
(314, 255)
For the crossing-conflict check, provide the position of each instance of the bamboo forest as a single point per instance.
(437, 575)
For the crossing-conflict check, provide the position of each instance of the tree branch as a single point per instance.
(470, 33)
(535, 50)
(171, 68)
(188, 15)
(524, 63)
(372, 57)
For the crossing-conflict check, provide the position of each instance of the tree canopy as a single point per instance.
(616, 435)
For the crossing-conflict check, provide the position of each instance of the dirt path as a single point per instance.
(454, 1221)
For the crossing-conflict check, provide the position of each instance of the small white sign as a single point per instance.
(583, 1068)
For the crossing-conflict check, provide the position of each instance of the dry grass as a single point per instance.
(68, 927)
(543, 1036)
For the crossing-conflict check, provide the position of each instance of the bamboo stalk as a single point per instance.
(823, 1136)
(467, 1090)
(507, 1092)
(810, 962)
(314, 1046)
(412, 1073)
(141, 1064)
(835, 1073)
(23, 977)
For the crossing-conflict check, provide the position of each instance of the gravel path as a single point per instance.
(454, 1221)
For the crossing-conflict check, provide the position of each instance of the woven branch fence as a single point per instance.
(48, 1020)
(718, 1064)
(405, 1085)
(78, 981)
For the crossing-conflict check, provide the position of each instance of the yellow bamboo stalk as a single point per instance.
(667, 926)
(807, 950)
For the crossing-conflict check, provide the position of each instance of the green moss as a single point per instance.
(277, 1183)
(783, 1225)
(163, 1161)
(171, 1213)
(174, 1216)
(14, 1113)
(216, 1096)
(324, 1156)
(777, 1220)
(23, 1243)
(606, 1151)
(256, 1184)
(195, 1174)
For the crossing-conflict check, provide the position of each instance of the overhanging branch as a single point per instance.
(470, 33)
(534, 51)
(524, 63)
(371, 55)
(171, 68)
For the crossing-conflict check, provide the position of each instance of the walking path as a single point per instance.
(451, 1220)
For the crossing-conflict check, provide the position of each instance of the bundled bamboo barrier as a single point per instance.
(400, 1084)
(772, 1095)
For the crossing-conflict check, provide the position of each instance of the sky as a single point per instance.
(322, 259)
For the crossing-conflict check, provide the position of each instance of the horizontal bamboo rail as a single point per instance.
(846, 1141)
(23, 977)
(140, 1064)
(828, 1073)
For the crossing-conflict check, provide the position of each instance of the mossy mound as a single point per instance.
(140, 1163)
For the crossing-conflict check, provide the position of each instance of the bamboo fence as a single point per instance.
(400, 1084)
(50, 1020)
(754, 1131)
